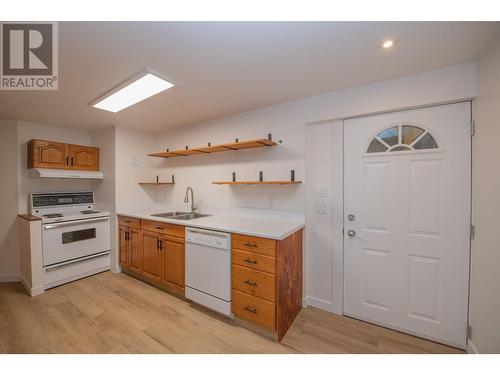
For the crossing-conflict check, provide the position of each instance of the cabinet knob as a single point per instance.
(250, 244)
(251, 261)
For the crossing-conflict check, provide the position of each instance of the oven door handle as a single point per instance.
(67, 223)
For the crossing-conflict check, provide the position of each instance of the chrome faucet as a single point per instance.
(186, 199)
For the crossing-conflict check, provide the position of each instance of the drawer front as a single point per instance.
(255, 283)
(254, 309)
(254, 261)
(257, 245)
(163, 228)
(129, 222)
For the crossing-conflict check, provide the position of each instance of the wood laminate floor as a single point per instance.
(114, 313)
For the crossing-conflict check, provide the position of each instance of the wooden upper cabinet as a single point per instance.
(48, 154)
(84, 158)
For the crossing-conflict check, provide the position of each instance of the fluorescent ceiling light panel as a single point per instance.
(134, 92)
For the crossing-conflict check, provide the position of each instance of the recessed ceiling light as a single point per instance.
(388, 43)
(131, 92)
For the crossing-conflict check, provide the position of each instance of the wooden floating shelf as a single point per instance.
(254, 143)
(256, 182)
(156, 183)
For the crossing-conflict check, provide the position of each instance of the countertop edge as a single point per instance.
(296, 227)
(29, 217)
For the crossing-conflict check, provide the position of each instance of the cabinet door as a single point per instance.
(173, 261)
(84, 158)
(47, 154)
(151, 256)
(134, 249)
(123, 245)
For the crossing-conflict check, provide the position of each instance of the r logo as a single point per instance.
(27, 49)
(29, 56)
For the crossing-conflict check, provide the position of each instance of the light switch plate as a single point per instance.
(320, 209)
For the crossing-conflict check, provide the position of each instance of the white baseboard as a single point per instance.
(9, 278)
(319, 303)
(471, 349)
(32, 291)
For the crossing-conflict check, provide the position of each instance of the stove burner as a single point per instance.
(52, 216)
(87, 212)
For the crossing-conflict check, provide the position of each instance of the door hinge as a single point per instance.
(469, 331)
(472, 128)
(472, 231)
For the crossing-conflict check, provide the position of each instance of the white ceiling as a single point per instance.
(226, 68)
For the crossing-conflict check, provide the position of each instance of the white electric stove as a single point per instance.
(75, 236)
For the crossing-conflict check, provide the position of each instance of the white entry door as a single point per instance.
(407, 181)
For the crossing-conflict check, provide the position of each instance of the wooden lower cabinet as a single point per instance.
(151, 255)
(123, 244)
(134, 250)
(173, 256)
(254, 309)
(156, 256)
(267, 280)
(130, 248)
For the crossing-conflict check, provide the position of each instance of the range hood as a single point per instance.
(64, 173)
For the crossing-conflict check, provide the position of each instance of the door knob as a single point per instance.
(351, 233)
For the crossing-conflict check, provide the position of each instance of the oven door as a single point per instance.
(75, 239)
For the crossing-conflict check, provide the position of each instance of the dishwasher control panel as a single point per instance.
(218, 240)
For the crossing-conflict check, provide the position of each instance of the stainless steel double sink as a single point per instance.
(179, 215)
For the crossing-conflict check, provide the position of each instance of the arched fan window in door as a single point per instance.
(402, 138)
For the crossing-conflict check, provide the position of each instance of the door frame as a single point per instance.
(338, 201)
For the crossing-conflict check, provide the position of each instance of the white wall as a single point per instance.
(485, 274)
(287, 122)
(133, 146)
(27, 131)
(105, 189)
(9, 248)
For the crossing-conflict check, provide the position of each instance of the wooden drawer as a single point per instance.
(163, 228)
(254, 261)
(129, 222)
(255, 309)
(254, 244)
(255, 283)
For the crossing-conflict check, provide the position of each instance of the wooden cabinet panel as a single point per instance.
(256, 283)
(173, 261)
(254, 309)
(289, 281)
(151, 256)
(123, 244)
(134, 250)
(254, 261)
(84, 157)
(163, 228)
(254, 244)
(47, 154)
(129, 222)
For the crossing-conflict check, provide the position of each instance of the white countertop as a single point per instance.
(271, 224)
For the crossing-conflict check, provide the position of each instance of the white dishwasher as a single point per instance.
(208, 269)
